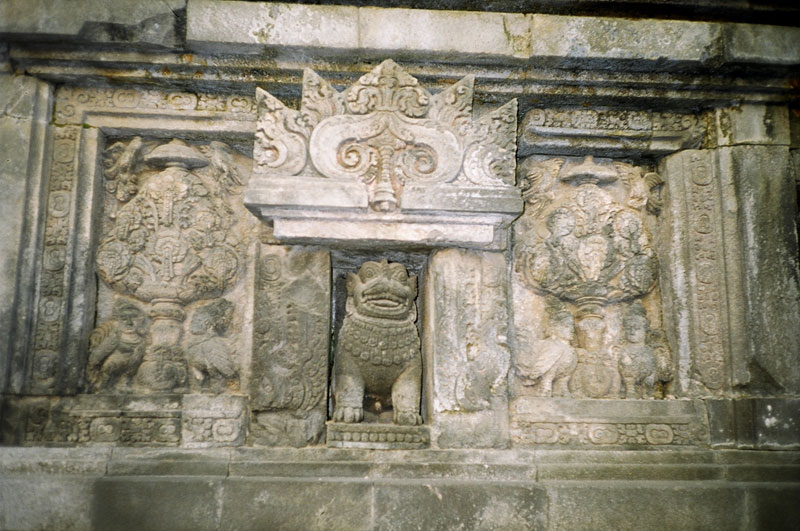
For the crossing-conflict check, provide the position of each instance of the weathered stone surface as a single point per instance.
(774, 507)
(748, 43)
(120, 21)
(680, 506)
(752, 125)
(306, 504)
(543, 489)
(250, 27)
(150, 503)
(291, 343)
(214, 420)
(562, 40)
(25, 111)
(754, 423)
(411, 33)
(767, 206)
(702, 324)
(467, 505)
(65, 503)
(608, 133)
(467, 348)
(87, 419)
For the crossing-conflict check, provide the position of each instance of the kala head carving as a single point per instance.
(385, 151)
(378, 349)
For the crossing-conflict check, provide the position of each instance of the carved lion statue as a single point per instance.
(378, 348)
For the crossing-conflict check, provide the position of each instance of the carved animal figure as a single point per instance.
(117, 348)
(378, 348)
(552, 361)
(209, 355)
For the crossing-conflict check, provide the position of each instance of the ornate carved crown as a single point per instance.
(387, 162)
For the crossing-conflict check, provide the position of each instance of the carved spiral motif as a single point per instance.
(419, 162)
(356, 157)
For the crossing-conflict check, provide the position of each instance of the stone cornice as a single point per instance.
(539, 58)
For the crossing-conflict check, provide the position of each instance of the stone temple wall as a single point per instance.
(285, 266)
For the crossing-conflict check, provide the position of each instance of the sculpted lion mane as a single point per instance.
(378, 346)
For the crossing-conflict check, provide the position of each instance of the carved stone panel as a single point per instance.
(467, 347)
(291, 341)
(385, 161)
(49, 370)
(587, 308)
(634, 424)
(173, 244)
(609, 132)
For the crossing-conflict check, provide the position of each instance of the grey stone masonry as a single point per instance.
(441, 265)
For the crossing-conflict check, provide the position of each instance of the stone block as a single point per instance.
(607, 423)
(760, 195)
(466, 505)
(156, 503)
(667, 505)
(291, 341)
(467, 350)
(30, 462)
(47, 502)
(762, 423)
(756, 43)
(608, 132)
(697, 243)
(721, 423)
(156, 462)
(248, 27)
(774, 507)
(213, 420)
(311, 504)
(568, 40)
(414, 33)
(118, 21)
(752, 125)
(25, 104)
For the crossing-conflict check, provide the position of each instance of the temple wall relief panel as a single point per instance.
(381, 268)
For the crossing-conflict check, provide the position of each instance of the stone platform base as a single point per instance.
(342, 489)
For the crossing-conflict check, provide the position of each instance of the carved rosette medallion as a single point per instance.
(384, 160)
(584, 246)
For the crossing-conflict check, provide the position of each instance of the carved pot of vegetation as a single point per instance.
(378, 349)
(596, 375)
(170, 245)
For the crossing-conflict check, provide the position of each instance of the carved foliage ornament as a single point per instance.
(170, 238)
(386, 132)
(596, 248)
